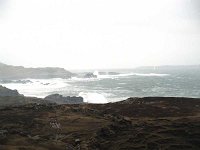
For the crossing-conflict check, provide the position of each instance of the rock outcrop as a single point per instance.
(10, 98)
(90, 75)
(8, 92)
(59, 99)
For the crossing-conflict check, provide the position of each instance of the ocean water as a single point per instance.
(112, 88)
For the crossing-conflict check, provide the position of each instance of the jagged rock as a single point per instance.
(8, 92)
(90, 75)
(59, 99)
(10, 97)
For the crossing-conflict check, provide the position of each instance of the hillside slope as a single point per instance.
(138, 123)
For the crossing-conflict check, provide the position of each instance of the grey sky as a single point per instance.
(78, 34)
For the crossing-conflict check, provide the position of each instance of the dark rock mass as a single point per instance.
(90, 75)
(9, 98)
(59, 99)
(8, 92)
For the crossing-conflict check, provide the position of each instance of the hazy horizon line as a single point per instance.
(114, 68)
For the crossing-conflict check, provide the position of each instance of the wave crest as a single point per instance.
(93, 98)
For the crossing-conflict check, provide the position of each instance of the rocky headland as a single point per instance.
(9, 72)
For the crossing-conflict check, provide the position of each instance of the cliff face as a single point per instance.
(19, 72)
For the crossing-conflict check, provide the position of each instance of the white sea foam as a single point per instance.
(38, 87)
(93, 98)
(98, 93)
(122, 75)
(122, 83)
(82, 79)
(96, 73)
(132, 74)
(151, 74)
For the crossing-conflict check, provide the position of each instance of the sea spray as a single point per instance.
(93, 98)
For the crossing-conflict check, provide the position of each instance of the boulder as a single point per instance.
(90, 75)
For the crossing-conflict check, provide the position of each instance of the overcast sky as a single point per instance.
(86, 34)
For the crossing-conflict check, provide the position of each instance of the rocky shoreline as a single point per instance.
(67, 123)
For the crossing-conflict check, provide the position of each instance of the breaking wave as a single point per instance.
(133, 74)
(38, 87)
(94, 90)
(122, 75)
(93, 98)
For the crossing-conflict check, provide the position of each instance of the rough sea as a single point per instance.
(120, 86)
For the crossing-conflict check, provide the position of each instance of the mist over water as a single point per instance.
(111, 88)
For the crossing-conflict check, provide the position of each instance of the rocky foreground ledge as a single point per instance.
(153, 123)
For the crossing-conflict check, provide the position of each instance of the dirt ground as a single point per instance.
(153, 123)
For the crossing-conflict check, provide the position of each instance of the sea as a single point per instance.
(116, 85)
